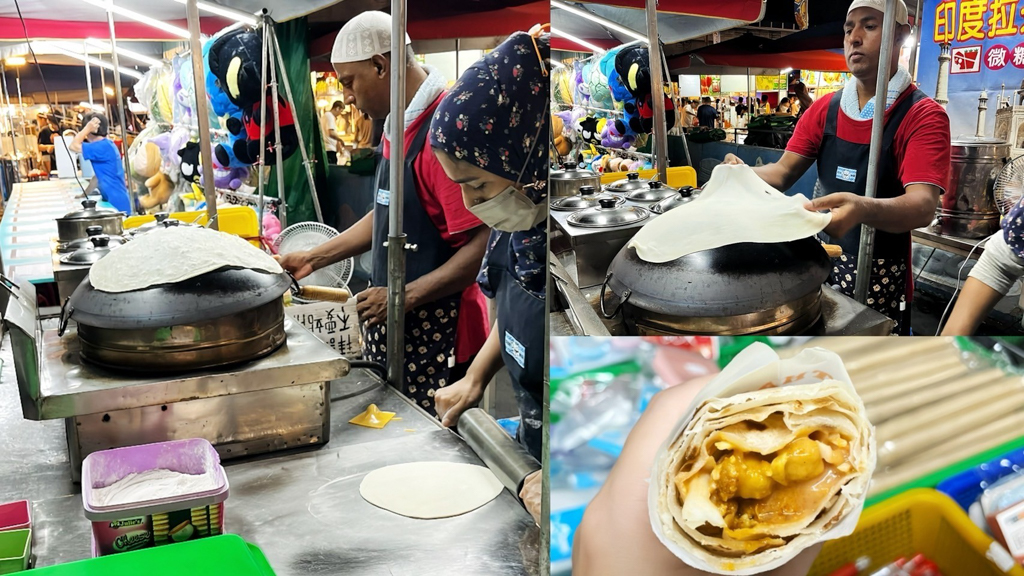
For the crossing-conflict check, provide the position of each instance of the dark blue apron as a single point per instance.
(522, 319)
(430, 329)
(843, 167)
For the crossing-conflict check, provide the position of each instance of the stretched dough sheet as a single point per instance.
(430, 490)
(808, 393)
(735, 206)
(169, 255)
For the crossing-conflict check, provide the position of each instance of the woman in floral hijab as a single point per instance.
(490, 135)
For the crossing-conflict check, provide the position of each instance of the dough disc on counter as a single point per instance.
(735, 206)
(430, 489)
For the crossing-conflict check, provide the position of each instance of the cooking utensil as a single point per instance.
(745, 288)
(684, 195)
(631, 182)
(587, 198)
(306, 236)
(74, 225)
(92, 231)
(655, 192)
(568, 181)
(323, 293)
(968, 208)
(608, 215)
(87, 255)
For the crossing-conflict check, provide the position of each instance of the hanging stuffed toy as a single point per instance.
(146, 164)
(633, 66)
(226, 177)
(190, 162)
(589, 130)
(614, 135)
(224, 109)
(235, 61)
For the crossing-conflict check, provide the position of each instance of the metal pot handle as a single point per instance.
(625, 296)
(65, 316)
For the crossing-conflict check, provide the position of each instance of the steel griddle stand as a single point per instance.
(274, 403)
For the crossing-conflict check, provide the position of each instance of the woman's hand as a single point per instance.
(451, 401)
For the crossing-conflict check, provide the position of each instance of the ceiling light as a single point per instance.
(584, 43)
(15, 61)
(108, 90)
(131, 54)
(785, 71)
(107, 5)
(229, 13)
(595, 18)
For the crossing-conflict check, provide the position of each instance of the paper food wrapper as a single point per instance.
(756, 368)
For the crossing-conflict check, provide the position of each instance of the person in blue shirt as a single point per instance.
(706, 114)
(92, 143)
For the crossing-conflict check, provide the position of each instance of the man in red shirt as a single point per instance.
(446, 314)
(914, 166)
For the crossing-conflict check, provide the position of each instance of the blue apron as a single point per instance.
(522, 319)
(430, 329)
(843, 167)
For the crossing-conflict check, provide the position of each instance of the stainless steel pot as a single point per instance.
(88, 255)
(608, 214)
(92, 232)
(685, 195)
(630, 183)
(968, 209)
(161, 220)
(567, 182)
(745, 288)
(655, 192)
(74, 225)
(587, 198)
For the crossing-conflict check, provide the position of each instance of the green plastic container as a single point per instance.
(15, 549)
(225, 555)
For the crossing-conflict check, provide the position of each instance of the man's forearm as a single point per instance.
(901, 214)
(488, 359)
(452, 277)
(352, 242)
(774, 175)
(76, 144)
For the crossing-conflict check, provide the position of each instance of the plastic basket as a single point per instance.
(919, 521)
(238, 220)
(15, 550)
(677, 176)
(226, 555)
(15, 516)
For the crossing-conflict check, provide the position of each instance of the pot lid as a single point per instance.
(571, 172)
(89, 210)
(608, 215)
(215, 294)
(655, 192)
(631, 182)
(587, 198)
(92, 231)
(685, 195)
(725, 281)
(161, 220)
(98, 248)
(979, 147)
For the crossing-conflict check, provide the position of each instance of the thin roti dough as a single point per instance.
(430, 490)
(175, 254)
(735, 206)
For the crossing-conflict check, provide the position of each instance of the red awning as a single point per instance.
(11, 29)
(745, 10)
(819, 60)
(477, 24)
(558, 43)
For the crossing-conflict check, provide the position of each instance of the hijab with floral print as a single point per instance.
(495, 117)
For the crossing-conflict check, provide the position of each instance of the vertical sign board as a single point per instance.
(987, 51)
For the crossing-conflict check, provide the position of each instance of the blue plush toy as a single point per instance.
(222, 106)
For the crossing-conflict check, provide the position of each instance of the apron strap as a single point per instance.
(832, 118)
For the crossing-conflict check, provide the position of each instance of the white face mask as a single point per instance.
(510, 211)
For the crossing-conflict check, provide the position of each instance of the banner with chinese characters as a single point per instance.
(986, 40)
(334, 324)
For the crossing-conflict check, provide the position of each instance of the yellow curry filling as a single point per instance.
(753, 490)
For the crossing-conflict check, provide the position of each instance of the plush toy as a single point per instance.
(190, 162)
(589, 131)
(146, 164)
(614, 135)
(633, 67)
(600, 94)
(271, 227)
(581, 92)
(226, 177)
(224, 108)
(562, 144)
(234, 59)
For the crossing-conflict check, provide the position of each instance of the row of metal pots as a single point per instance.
(605, 209)
(84, 236)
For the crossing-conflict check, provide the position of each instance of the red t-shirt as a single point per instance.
(921, 144)
(442, 200)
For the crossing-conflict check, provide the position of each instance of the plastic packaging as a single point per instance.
(167, 519)
(1003, 507)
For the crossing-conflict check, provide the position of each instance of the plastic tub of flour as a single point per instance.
(153, 494)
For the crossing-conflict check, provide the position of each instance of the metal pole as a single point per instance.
(306, 162)
(263, 122)
(10, 119)
(917, 37)
(657, 91)
(866, 251)
(88, 72)
(202, 113)
(103, 90)
(278, 156)
(396, 236)
(120, 110)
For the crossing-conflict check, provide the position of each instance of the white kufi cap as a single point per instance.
(360, 38)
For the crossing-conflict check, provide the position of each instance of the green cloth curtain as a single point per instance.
(293, 37)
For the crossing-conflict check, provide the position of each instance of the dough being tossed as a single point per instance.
(175, 254)
(430, 489)
(735, 206)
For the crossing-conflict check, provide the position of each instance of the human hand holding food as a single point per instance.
(451, 401)
(531, 494)
(846, 209)
(732, 159)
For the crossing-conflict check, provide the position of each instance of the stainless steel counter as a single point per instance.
(301, 507)
(841, 315)
(959, 246)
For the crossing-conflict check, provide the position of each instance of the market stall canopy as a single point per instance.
(678, 20)
(754, 51)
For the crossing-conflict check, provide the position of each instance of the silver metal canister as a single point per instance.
(967, 209)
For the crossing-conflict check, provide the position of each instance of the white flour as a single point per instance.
(151, 485)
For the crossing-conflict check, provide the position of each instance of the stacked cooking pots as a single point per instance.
(75, 225)
(568, 181)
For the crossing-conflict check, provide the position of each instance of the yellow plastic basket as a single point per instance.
(677, 176)
(918, 521)
(237, 220)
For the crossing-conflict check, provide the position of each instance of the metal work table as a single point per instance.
(302, 508)
(841, 315)
(953, 244)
